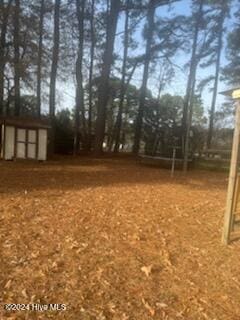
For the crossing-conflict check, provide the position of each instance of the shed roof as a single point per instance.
(27, 122)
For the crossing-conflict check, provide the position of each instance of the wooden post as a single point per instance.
(232, 178)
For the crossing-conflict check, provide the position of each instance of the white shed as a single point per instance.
(23, 138)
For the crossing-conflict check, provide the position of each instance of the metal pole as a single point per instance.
(232, 178)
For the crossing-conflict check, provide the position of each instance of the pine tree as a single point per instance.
(55, 55)
(5, 17)
(53, 75)
(149, 36)
(118, 124)
(231, 72)
(219, 46)
(92, 51)
(201, 48)
(17, 107)
(39, 59)
(193, 64)
(166, 47)
(103, 87)
(80, 6)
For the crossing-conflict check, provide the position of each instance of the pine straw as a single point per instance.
(115, 240)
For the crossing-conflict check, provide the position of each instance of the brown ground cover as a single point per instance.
(115, 240)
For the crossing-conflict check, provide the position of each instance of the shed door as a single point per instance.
(21, 143)
(26, 143)
(9, 142)
(31, 144)
(42, 144)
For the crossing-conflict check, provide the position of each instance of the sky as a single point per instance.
(178, 85)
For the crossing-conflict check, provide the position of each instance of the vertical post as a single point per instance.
(232, 178)
(173, 162)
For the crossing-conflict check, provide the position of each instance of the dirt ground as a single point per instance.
(113, 239)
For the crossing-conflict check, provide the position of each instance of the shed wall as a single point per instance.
(9, 143)
(23, 143)
(42, 144)
(2, 140)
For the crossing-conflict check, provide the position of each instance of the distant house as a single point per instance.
(23, 138)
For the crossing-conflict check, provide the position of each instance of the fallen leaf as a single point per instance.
(161, 305)
(147, 270)
(8, 284)
(24, 293)
(111, 307)
(148, 307)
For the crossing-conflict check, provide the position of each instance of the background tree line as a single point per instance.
(102, 46)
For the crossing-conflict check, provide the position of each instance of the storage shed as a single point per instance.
(23, 138)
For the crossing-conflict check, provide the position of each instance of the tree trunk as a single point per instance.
(103, 86)
(79, 108)
(117, 130)
(17, 107)
(10, 91)
(39, 59)
(2, 51)
(161, 83)
(92, 50)
(193, 66)
(188, 103)
(53, 76)
(55, 53)
(139, 120)
(189, 124)
(215, 88)
(125, 90)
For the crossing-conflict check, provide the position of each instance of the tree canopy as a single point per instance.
(133, 74)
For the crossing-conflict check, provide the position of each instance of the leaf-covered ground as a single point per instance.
(112, 239)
